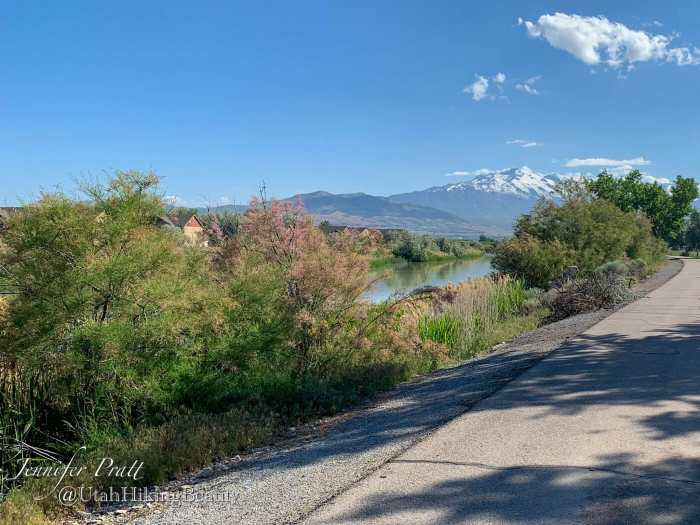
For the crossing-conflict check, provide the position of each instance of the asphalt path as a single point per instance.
(604, 430)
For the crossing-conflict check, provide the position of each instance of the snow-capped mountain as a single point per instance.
(522, 182)
(495, 197)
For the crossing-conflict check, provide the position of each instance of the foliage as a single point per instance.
(618, 268)
(411, 250)
(222, 226)
(103, 303)
(181, 213)
(465, 318)
(665, 210)
(443, 329)
(421, 248)
(325, 227)
(536, 261)
(692, 233)
(583, 231)
(120, 336)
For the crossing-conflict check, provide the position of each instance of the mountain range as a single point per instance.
(486, 204)
(369, 211)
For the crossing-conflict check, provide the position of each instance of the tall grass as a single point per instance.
(477, 312)
(443, 329)
(18, 403)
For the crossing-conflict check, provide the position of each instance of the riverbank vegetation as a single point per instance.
(604, 235)
(583, 231)
(122, 336)
(400, 245)
(474, 315)
(119, 334)
(688, 243)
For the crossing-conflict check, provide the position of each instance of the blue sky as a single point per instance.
(343, 96)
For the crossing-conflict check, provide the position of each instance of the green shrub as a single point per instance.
(533, 301)
(582, 232)
(534, 261)
(618, 268)
(443, 329)
(411, 249)
(638, 267)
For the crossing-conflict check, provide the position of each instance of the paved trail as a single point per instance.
(605, 430)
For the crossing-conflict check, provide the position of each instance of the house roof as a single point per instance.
(194, 222)
(163, 221)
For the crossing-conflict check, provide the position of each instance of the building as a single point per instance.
(194, 231)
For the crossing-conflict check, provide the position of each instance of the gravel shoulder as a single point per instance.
(286, 482)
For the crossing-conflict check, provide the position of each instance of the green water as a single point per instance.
(407, 276)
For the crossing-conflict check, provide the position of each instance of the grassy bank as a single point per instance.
(384, 261)
(486, 311)
(387, 261)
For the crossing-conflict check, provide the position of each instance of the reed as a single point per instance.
(472, 314)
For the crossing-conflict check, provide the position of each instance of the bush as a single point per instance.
(117, 324)
(582, 232)
(532, 260)
(533, 301)
(618, 268)
(411, 249)
(600, 290)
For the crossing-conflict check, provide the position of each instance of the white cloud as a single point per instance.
(603, 162)
(618, 168)
(621, 171)
(525, 88)
(480, 87)
(524, 143)
(528, 86)
(659, 180)
(596, 40)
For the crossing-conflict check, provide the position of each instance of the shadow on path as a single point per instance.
(653, 370)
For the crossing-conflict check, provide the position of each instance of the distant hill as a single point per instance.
(368, 211)
(360, 209)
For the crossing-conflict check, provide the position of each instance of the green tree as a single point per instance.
(692, 234)
(582, 231)
(103, 303)
(666, 210)
(325, 227)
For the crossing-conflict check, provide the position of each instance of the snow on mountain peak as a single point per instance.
(523, 182)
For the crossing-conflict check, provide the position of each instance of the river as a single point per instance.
(407, 276)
